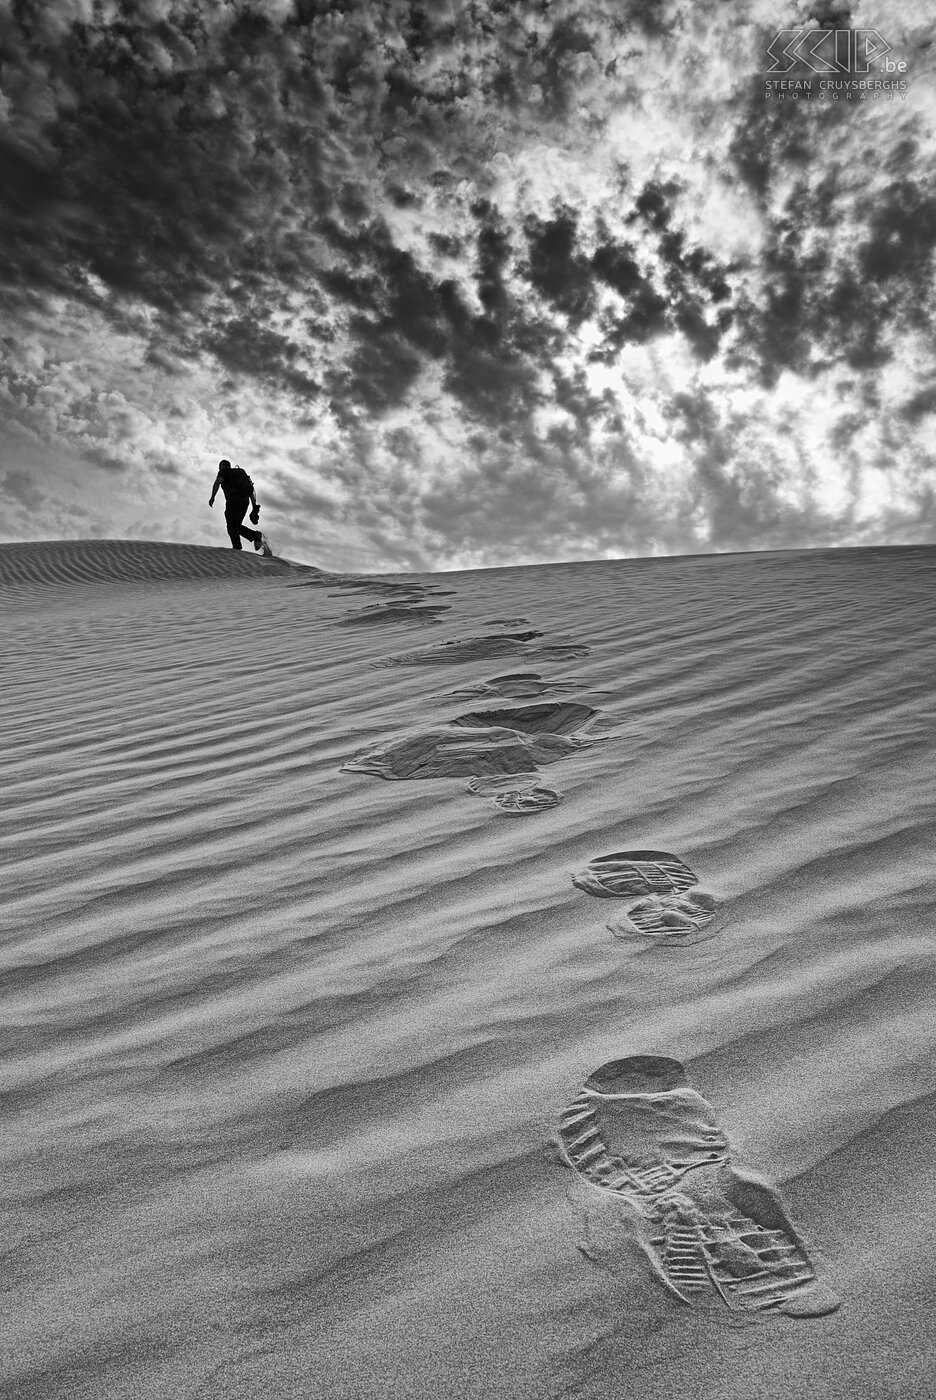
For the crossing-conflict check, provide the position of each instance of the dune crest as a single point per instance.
(63, 563)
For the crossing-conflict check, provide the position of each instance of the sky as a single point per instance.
(463, 284)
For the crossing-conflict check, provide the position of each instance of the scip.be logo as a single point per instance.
(799, 52)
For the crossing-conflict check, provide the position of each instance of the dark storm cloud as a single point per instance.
(655, 18)
(572, 394)
(399, 315)
(770, 137)
(901, 233)
(556, 269)
(495, 355)
(244, 345)
(919, 405)
(403, 317)
(171, 158)
(823, 300)
(688, 296)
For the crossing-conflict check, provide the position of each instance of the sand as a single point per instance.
(323, 1078)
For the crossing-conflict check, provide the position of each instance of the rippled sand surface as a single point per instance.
(317, 1084)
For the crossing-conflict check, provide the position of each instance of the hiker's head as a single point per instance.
(224, 465)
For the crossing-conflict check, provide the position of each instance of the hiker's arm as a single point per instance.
(214, 489)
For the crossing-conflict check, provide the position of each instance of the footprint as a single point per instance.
(556, 718)
(514, 794)
(527, 802)
(484, 744)
(714, 1235)
(445, 753)
(448, 751)
(667, 915)
(624, 874)
(673, 920)
(493, 785)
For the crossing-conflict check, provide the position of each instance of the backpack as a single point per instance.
(238, 483)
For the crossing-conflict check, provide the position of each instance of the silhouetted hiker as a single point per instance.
(238, 495)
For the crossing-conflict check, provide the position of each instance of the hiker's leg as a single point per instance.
(243, 532)
(233, 519)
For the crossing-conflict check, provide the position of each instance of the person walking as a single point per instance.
(238, 495)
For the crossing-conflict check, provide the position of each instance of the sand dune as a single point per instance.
(66, 562)
(322, 1085)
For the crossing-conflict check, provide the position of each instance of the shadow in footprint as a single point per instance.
(670, 920)
(446, 753)
(514, 794)
(359, 583)
(526, 803)
(714, 1235)
(479, 744)
(483, 649)
(551, 718)
(451, 752)
(493, 784)
(378, 614)
(624, 874)
(399, 592)
(518, 685)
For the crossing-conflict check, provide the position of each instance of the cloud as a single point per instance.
(461, 282)
(98, 457)
(20, 486)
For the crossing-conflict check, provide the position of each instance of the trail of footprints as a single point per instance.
(636, 1133)
(504, 747)
(713, 1235)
